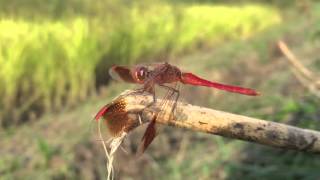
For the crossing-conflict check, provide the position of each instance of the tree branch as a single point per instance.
(129, 107)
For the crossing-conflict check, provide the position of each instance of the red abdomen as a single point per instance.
(189, 78)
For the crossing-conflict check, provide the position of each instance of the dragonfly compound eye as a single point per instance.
(141, 73)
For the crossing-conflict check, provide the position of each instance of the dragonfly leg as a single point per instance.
(136, 91)
(149, 89)
(154, 99)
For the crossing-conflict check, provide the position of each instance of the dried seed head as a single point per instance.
(118, 119)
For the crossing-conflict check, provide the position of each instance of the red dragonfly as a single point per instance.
(163, 74)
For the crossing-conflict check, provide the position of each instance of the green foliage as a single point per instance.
(171, 29)
(45, 63)
(46, 150)
(267, 163)
(314, 34)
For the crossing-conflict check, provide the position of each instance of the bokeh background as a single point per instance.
(54, 60)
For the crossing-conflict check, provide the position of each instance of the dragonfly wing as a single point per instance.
(169, 101)
(100, 113)
(122, 73)
(189, 78)
(148, 136)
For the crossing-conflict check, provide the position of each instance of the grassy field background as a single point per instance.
(53, 66)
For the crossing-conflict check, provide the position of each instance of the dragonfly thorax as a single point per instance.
(165, 73)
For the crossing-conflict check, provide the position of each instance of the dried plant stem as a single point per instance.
(294, 61)
(304, 75)
(109, 159)
(115, 143)
(225, 124)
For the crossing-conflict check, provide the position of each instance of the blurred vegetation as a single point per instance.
(56, 54)
(45, 64)
(49, 64)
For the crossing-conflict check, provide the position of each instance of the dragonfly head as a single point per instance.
(141, 73)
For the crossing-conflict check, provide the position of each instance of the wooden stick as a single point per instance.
(214, 122)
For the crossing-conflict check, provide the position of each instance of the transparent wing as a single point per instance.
(151, 66)
(169, 101)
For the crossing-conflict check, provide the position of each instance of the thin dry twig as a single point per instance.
(294, 61)
(304, 75)
(220, 123)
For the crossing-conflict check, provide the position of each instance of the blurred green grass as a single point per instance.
(45, 64)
